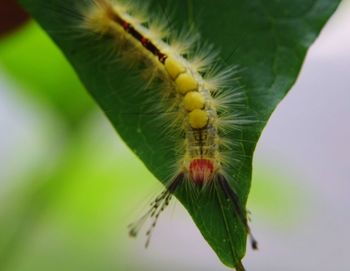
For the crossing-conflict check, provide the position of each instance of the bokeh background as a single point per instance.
(69, 186)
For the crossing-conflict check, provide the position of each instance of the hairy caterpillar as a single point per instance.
(194, 91)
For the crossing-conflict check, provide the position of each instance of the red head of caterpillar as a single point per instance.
(199, 102)
(201, 170)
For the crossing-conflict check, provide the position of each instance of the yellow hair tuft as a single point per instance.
(198, 118)
(185, 82)
(193, 100)
(174, 67)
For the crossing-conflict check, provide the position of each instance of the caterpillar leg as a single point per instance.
(157, 207)
(240, 211)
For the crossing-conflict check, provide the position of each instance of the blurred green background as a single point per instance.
(69, 187)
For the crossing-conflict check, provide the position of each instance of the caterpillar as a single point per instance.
(193, 88)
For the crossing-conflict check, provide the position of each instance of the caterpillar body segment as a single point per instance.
(200, 102)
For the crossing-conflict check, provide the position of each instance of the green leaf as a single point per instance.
(267, 39)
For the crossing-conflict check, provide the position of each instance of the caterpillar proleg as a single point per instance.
(194, 89)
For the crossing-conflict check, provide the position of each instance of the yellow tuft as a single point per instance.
(193, 100)
(198, 119)
(185, 83)
(97, 20)
(174, 67)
